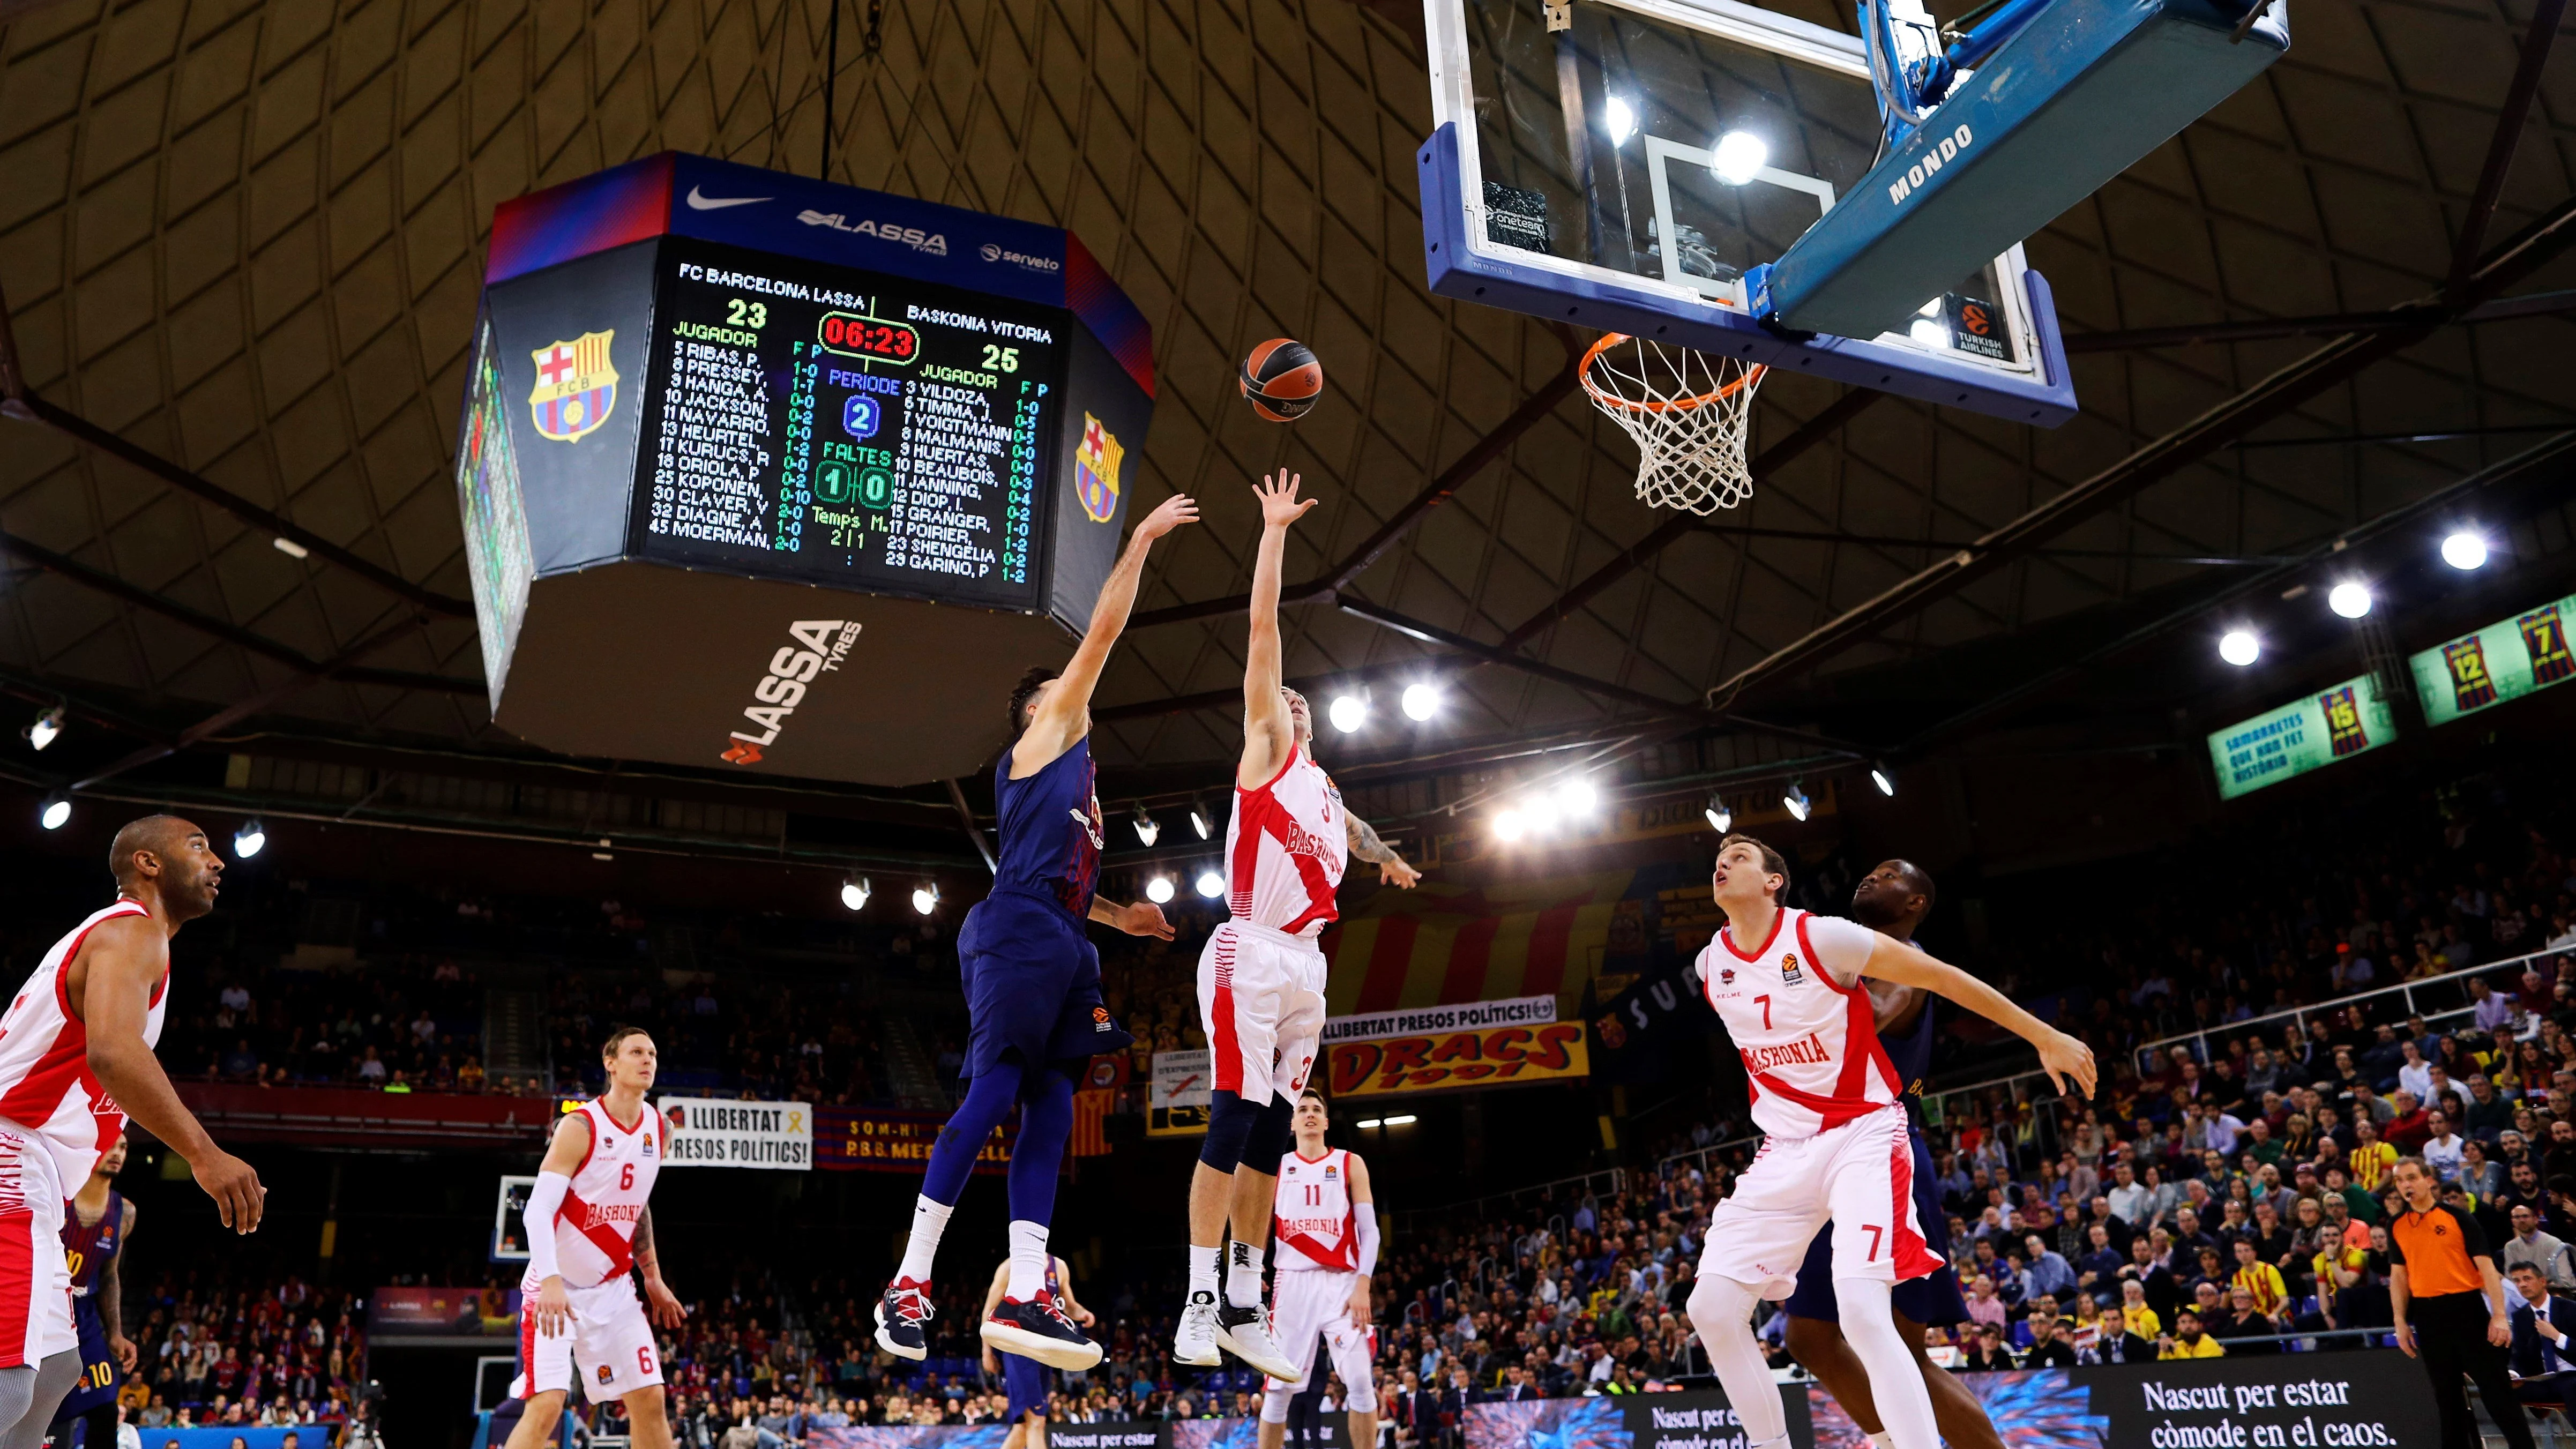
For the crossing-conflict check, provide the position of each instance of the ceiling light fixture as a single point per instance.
(1885, 782)
(1148, 829)
(2465, 550)
(1719, 816)
(250, 840)
(1211, 884)
(1348, 712)
(2239, 647)
(1159, 890)
(1421, 702)
(2350, 600)
(47, 728)
(855, 892)
(1796, 801)
(925, 897)
(56, 814)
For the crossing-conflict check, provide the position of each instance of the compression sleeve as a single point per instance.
(545, 1203)
(1365, 1213)
(1842, 947)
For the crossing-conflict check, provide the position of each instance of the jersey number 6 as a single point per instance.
(626, 1177)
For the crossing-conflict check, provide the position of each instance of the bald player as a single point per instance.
(75, 1061)
(1893, 900)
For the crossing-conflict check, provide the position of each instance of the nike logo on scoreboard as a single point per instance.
(698, 202)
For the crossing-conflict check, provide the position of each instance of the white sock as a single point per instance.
(1028, 1259)
(1904, 1404)
(929, 1220)
(1882, 1440)
(1243, 1276)
(1206, 1266)
(1722, 1310)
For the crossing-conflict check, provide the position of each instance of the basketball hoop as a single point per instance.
(1689, 413)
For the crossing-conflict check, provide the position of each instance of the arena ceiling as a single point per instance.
(240, 245)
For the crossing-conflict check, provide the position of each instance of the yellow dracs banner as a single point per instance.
(1452, 1059)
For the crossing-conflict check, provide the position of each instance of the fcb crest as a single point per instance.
(576, 387)
(1095, 470)
(1790, 975)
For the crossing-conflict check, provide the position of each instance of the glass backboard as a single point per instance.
(1628, 164)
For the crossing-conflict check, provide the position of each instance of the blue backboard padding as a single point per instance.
(1458, 271)
(2083, 92)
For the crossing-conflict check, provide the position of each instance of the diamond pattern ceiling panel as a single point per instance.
(247, 237)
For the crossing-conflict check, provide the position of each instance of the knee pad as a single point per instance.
(1274, 1404)
(1273, 1133)
(1230, 1123)
(1720, 1303)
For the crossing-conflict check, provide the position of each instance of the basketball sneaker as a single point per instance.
(1245, 1332)
(1195, 1343)
(900, 1315)
(1037, 1328)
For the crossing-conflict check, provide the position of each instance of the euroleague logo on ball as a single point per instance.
(1282, 380)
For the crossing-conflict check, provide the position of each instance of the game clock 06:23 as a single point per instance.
(847, 427)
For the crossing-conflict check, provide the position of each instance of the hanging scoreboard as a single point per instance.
(782, 476)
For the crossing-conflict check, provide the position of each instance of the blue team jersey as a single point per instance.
(1911, 1055)
(1051, 830)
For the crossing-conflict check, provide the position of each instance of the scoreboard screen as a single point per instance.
(847, 427)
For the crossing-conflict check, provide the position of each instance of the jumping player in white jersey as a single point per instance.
(1789, 987)
(1261, 978)
(1325, 1220)
(75, 1061)
(589, 1222)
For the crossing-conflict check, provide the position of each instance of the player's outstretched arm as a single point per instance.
(2060, 1055)
(1064, 715)
(1367, 846)
(660, 1304)
(125, 957)
(1268, 733)
(1142, 918)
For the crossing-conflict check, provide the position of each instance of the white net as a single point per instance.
(1689, 413)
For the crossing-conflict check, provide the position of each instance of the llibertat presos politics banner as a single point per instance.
(1468, 1044)
(712, 1132)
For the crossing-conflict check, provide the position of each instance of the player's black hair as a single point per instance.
(1024, 690)
(1773, 862)
(1917, 880)
(617, 1036)
(159, 834)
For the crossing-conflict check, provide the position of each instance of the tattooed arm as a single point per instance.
(663, 1306)
(108, 1295)
(1366, 845)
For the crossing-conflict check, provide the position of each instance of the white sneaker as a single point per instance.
(1245, 1332)
(1195, 1342)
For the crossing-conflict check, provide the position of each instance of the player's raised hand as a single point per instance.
(1145, 918)
(234, 1185)
(2062, 1056)
(1174, 511)
(1280, 505)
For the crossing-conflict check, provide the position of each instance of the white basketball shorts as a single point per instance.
(1860, 1174)
(1307, 1304)
(35, 1279)
(608, 1337)
(1261, 1001)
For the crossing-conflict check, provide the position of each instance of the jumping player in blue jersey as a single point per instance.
(1893, 900)
(1032, 986)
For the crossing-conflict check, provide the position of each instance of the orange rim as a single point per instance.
(1608, 399)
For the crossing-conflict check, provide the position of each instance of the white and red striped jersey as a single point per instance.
(1312, 1214)
(595, 1230)
(1809, 1043)
(45, 1081)
(1285, 848)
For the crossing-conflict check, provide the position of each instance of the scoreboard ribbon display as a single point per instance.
(2306, 734)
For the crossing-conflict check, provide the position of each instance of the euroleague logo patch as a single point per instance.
(1790, 975)
(1100, 1019)
(607, 1375)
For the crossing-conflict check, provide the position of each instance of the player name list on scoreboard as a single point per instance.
(837, 424)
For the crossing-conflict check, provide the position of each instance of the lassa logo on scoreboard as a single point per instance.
(826, 643)
(911, 236)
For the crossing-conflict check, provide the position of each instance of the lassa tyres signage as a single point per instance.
(711, 1132)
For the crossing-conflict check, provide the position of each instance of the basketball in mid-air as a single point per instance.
(1282, 379)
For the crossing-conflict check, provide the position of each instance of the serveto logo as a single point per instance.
(992, 253)
(826, 643)
(912, 236)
